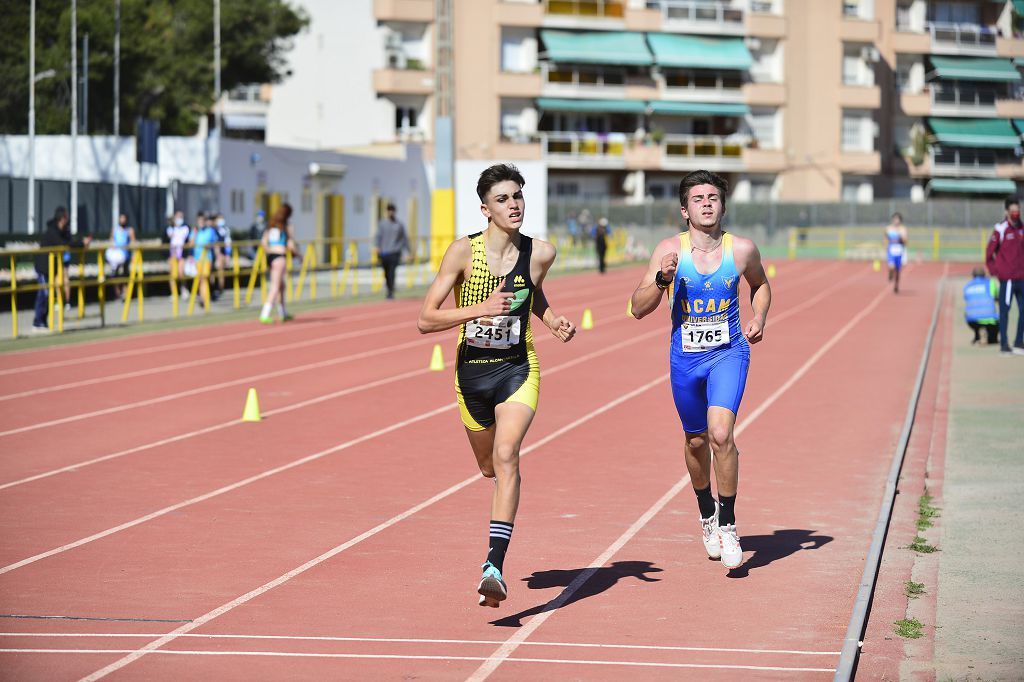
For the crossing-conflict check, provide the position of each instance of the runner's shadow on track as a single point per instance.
(778, 545)
(595, 581)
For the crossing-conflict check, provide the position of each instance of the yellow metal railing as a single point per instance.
(866, 243)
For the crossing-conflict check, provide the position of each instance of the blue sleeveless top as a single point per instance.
(705, 308)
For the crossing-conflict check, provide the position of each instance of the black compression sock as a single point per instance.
(726, 510)
(706, 502)
(501, 534)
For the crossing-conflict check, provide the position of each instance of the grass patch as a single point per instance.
(912, 589)
(909, 628)
(926, 512)
(921, 546)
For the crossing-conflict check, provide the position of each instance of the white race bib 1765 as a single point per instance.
(699, 336)
(501, 331)
(895, 250)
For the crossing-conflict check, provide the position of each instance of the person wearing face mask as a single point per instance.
(497, 275)
(224, 250)
(177, 237)
(1004, 258)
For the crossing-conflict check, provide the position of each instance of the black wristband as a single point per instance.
(660, 282)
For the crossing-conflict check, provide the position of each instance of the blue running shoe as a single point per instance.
(492, 587)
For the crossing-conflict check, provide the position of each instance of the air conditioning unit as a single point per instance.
(395, 59)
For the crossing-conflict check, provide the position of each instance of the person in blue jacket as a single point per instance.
(980, 310)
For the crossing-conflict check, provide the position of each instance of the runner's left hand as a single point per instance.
(562, 329)
(753, 331)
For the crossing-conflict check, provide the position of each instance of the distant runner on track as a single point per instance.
(497, 376)
(709, 352)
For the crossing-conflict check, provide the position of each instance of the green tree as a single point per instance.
(166, 59)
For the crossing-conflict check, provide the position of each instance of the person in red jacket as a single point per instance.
(1004, 258)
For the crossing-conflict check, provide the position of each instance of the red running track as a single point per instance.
(148, 534)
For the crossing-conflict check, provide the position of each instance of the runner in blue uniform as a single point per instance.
(895, 249)
(497, 276)
(709, 351)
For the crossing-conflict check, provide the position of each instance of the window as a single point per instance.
(761, 190)
(518, 49)
(851, 8)
(857, 190)
(956, 12)
(856, 125)
(405, 118)
(856, 65)
(764, 127)
(767, 66)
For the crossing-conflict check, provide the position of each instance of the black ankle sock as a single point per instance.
(706, 502)
(501, 534)
(726, 510)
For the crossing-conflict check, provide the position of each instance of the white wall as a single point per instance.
(105, 158)
(468, 218)
(329, 100)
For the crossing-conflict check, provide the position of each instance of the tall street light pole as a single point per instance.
(74, 116)
(216, 79)
(32, 121)
(116, 204)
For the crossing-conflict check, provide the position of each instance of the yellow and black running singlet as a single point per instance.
(495, 361)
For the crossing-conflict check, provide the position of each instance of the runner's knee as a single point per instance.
(720, 436)
(696, 441)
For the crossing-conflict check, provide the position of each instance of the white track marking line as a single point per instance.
(397, 657)
(412, 640)
(336, 319)
(315, 456)
(513, 642)
(243, 380)
(252, 594)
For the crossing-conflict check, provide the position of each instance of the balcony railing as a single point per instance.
(698, 12)
(963, 98)
(964, 162)
(611, 9)
(576, 77)
(703, 82)
(699, 147)
(584, 146)
(963, 36)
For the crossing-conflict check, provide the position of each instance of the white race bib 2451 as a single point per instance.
(501, 331)
(700, 336)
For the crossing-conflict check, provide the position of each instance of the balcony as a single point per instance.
(955, 162)
(583, 150)
(908, 42)
(916, 103)
(711, 152)
(1010, 47)
(764, 94)
(860, 96)
(706, 86)
(962, 39)
(583, 81)
(584, 13)
(765, 25)
(513, 84)
(951, 100)
(699, 16)
(859, 162)
(403, 82)
(403, 10)
(858, 30)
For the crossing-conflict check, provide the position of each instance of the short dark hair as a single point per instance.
(499, 172)
(978, 272)
(701, 177)
(1010, 201)
(391, 207)
(60, 212)
(899, 215)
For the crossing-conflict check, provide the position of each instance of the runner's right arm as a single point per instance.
(647, 296)
(433, 319)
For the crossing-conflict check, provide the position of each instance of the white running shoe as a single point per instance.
(732, 553)
(709, 529)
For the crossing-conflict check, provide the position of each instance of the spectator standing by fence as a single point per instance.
(1004, 257)
(390, 242)
(57, 234)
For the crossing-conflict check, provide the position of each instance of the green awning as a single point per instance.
(699, 109)
(596, 47)
(974, 185)
(1018, 7)
(988, 133)
(606, 106)
(1018, 123)
(975, 69)
(700, 52)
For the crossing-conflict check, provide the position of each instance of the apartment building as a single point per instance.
(791, 100)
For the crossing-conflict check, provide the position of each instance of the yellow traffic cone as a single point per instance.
(588, 320)
(251, 413)
(877, 265)
(437, 359)
(771, 270)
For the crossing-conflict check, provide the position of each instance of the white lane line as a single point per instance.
(224, 608)
(397, 657)
(244, 380)
(252, 594)
(280, 410)
(513, 642)
(389, 311)
(313, 457)
(412, 640)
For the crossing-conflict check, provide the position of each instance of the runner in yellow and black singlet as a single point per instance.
(497, 378)
(496, 360)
